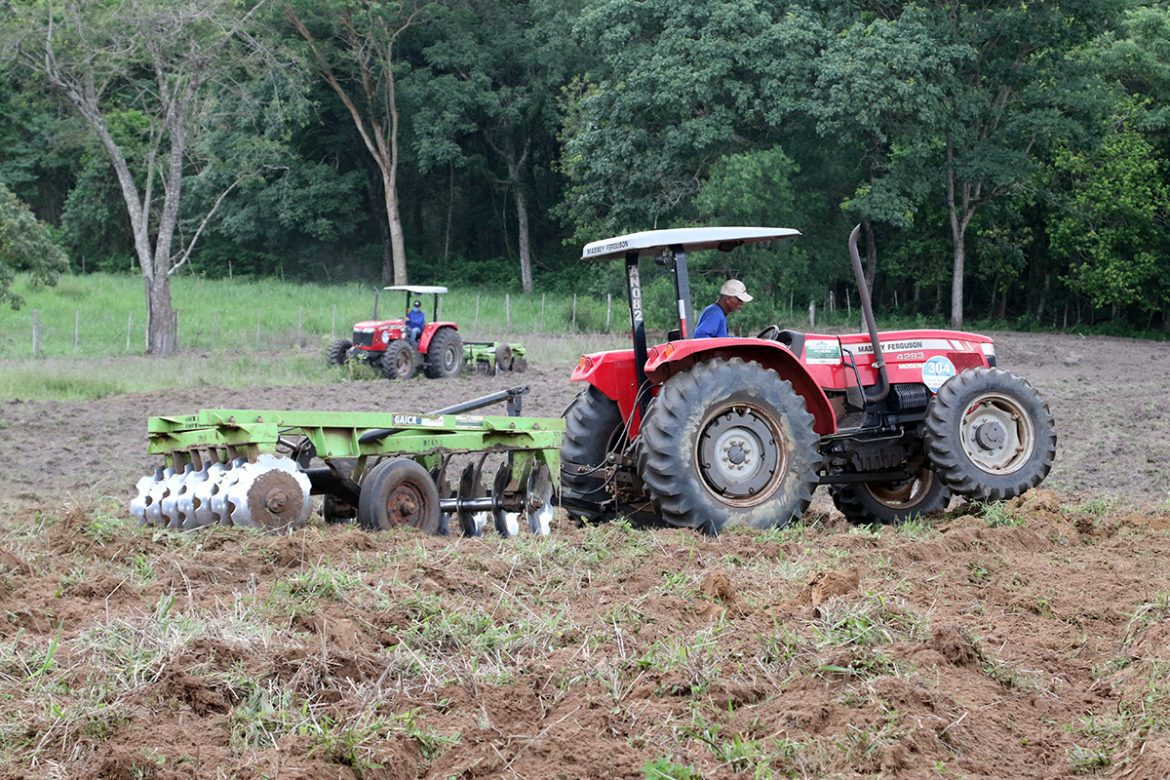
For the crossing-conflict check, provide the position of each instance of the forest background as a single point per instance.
(1007, 160)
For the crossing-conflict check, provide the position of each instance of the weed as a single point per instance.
(666, 769)
(977, 573)
(1085, 761)
(915, 529)
(996, 515)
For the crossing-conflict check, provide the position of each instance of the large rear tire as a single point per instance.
(728, 443)
(400, 360)
(399, 492)
(891, 503)
(445, 354)
(989, 435)
(338, 352)
(593, 426)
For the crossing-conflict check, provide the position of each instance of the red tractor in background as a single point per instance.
(717, 432)
(386, 344)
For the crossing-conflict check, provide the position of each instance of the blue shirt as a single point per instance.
(415, 318)
(712, 323)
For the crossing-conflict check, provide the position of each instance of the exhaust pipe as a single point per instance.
(879, 392)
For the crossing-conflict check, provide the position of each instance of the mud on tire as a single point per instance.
(399, 492)
(728, 443)
(891, 503)
(989, 435)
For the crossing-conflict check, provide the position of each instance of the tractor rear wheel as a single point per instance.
(399, 492)
(445, 354)
(400, 360)
(989, 435)
(338, 352)
(728, 443)
(593, 427)
(891, 503)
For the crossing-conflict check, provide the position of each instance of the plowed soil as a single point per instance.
(1028, 639)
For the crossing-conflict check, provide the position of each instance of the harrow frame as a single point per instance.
(350, 444)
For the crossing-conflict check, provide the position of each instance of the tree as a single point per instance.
(1113, 221)
(1004, 97)
(145, 75)
(25, 245)
(497, 68)
(357, 41)
(678, 85)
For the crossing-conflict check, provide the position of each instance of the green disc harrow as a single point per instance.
(492, 357)
(259, 468)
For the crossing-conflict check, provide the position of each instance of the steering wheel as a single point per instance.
(770, 333)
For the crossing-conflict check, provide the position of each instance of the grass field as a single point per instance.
(100, 315)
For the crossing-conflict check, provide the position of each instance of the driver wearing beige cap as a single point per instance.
(713, 321)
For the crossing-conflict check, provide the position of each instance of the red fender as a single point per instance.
(612, 373)
(429, 331)
(665, 360)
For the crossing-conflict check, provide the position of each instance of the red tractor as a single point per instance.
(389, 346)
(717, 432)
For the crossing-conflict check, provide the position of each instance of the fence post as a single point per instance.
(608, 309)
(574, 326)
(812, 314)
(791, 298)
(36, 334)
(76, 331)
(848, 304)
(129, 329)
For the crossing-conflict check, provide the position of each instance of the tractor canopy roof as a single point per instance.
(690, 239)
(418, 288)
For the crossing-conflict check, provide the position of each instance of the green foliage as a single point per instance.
(25, 245)
(1112, 222)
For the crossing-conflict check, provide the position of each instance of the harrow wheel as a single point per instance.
(990, 435)
(400, 360)
(728, 443)
(891, 503)
(399, 492)
(503, 357)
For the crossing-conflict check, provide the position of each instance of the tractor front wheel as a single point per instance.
(728, 443)
(338, 352)
(400, 360)
(445, 354)
(399, 492)
(593, 428)
(989, 435)
(891, 503)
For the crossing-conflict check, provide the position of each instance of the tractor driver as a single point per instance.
(713, 321)
(416, 320)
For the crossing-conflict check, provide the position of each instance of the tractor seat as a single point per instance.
(793, 339)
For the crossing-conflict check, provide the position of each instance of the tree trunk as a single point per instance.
(397, 241)
(957, 280)
(870, 259)
(522, 220)
(160, 317)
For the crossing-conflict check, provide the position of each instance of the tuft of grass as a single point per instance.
(996, 515)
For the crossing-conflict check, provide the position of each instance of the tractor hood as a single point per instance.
(372, 325)
(690, 239)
